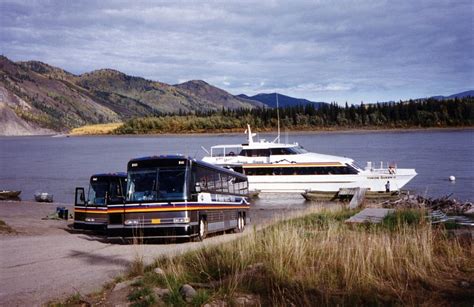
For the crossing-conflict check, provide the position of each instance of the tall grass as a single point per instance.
(96, 129)
(318, 259)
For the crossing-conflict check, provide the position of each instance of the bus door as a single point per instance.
(116, 207)
(80, 204)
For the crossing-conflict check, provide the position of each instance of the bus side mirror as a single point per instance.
(197, 188)
(121, 198)
(80, 199)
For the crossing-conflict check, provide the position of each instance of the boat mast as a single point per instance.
(278, 120)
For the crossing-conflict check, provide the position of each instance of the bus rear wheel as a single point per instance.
(240, 224)
(202, 234)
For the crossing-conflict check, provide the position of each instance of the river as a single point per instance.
(59, 164)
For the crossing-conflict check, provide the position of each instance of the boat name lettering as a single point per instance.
(381, 177)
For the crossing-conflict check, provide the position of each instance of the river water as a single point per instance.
(59, 164)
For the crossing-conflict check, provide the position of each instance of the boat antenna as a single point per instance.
(204, 148)
(250, 135)
(278, 120)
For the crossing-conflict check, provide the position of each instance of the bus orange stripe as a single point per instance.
(129, 210)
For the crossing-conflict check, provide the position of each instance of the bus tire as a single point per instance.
(240, 224)
(202, 234)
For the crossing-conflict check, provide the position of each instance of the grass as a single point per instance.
(403, 217)
(318, 259)
(142, 296)
(95, 129)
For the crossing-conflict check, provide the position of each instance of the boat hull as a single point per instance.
(329, 183)
(321, 195)
(44, 197)
(6, 195)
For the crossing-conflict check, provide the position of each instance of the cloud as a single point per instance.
(319, 50)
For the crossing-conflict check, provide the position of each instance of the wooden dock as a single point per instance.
(357, 198)
(370, 215)
(346, 193)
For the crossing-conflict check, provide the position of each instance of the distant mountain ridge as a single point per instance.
(283, 100)
(37, 98)
(458, 95)
(35, 95)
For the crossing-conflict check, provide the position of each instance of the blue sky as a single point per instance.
(320, 50)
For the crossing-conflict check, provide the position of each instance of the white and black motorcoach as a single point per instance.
(179, 197)
(104, 189)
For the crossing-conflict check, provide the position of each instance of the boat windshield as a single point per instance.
(299, 149)
(97, 193)
(295, 150)
(157, 184)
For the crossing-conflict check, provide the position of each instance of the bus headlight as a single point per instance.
(90, 219)
(177, 220)
(131, 222)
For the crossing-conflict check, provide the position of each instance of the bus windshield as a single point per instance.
(97, 192)
(157, 184)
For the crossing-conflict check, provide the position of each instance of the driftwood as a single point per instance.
(444, 204)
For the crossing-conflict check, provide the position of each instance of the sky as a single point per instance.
(342, 51)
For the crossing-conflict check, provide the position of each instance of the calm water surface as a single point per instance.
(58, 165)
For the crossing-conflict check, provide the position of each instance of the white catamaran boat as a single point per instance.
(279, 167)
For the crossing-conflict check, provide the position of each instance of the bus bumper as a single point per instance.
(152, 231)
(80, 225)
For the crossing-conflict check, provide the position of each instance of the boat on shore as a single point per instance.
(282, 167)
(345, 194)
(9, 195)
(44, 197)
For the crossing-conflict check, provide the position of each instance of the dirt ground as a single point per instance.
(47, 260)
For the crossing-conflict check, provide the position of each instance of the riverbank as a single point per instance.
(315, 259)
(107, 129)
(44, 259)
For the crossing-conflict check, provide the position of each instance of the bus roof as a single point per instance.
(112, 175)
(164, 158)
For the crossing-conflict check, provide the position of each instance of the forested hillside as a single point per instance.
(406, 114)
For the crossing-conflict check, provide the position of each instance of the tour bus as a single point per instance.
(104, 190)
(179, 197)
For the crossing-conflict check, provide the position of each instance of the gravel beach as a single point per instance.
(47, 259)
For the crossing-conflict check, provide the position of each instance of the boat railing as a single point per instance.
(385, 168)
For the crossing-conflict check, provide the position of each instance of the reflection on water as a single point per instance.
(58, 165)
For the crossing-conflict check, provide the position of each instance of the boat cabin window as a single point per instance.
(319, 170)
(157, 184)
(280, 151)
(225, 151)
(255, 152)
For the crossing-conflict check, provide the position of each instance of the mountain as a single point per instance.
(283, 100)
(39, 98)
(212, 93)
(458, 95)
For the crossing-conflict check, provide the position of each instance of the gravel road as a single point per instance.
(46, 260)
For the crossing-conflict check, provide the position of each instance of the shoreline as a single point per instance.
(292, 132)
